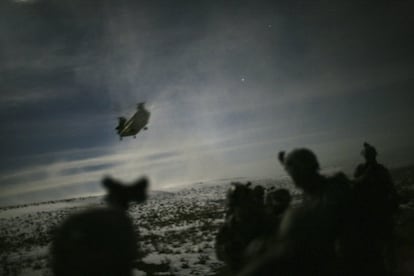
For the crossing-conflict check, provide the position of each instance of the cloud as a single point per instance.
(74, 70)
(177, 161)
(181, 160)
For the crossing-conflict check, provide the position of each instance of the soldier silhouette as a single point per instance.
(376, 204)
(100, 241)
(244, 222)
(276, 203)
(308, 234)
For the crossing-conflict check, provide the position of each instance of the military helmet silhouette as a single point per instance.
(369, 151)
(302, 160)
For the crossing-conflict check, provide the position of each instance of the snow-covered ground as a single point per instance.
(177, 229)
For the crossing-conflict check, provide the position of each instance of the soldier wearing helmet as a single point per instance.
(376, 204)
(303, 167)
(309, 233)
(244, 222)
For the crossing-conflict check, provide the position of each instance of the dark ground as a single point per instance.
(177, 230)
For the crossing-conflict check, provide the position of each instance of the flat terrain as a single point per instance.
(177, 229)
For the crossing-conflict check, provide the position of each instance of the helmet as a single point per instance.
(280, 196)
(369, 152)
(300, 160)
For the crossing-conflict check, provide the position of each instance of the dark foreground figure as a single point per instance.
(249, 222)
(244, 216)
(376, 204)
(101, 241)
(310, 235)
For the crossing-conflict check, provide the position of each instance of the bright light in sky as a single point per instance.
(226, 94)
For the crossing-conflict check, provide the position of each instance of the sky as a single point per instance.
(228, 85)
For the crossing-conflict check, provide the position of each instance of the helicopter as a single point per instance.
(135, 124)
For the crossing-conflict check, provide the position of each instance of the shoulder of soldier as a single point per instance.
(359, 170)
(339, 179)
(382, 167)
(379, 170)
(340, 176)
(294, 220)
(339, 186)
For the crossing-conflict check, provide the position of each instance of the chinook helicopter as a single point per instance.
(134, 125)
